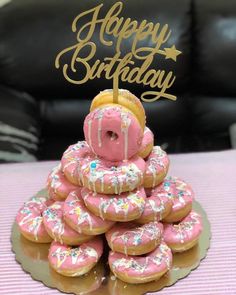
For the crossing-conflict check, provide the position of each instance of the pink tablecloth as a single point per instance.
(213, 177)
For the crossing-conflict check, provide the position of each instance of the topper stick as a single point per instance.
(115, 89)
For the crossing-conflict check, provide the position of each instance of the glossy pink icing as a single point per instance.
(66, 258)
(57, 184)
(185, 231)
(72, 157)
(155, 205)
(123, 205)
(157, 162)
(157, 261)
(54, 222)
(76, 211)
(178, 191)
(148, 138)
(114, 174)
(29, 217)
(131, 234)
(113, 133)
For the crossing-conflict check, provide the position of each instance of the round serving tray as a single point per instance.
(100, 280)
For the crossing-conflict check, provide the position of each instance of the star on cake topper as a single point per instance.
(172, 53)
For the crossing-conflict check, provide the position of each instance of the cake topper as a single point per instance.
(114, 30)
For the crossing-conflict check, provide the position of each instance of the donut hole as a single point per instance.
(74, 247)
(112, 135)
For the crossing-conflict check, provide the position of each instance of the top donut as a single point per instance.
(114, 132)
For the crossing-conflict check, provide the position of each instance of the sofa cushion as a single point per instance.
(214, 49)
(19, 126)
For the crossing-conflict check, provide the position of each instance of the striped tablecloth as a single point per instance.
(213, 177)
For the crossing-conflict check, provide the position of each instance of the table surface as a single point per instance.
(213, 177)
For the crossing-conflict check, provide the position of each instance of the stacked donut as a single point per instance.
(113, 183)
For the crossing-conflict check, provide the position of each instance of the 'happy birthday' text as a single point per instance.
(113, 31)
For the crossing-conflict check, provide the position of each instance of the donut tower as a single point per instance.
(113, 187)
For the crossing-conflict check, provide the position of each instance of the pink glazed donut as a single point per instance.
(138, 270)
(184, 235)
(74, 262)
(157, 165)
(58, 229)
(147, 143)
(78, 217)
(30, 221)
(125, 207)
(107, 177)
(132, 239)
(113, 132)
(71, 161)
(181, 195)
(157, 206)
(58, 186)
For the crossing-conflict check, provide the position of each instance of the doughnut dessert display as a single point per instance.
(147, 143)
(141, 269)
(58, 186)
(106, 177)
(30, 220)
(58, 230)
(185, 234)
(124, 207)
(131, 239)
(110, 194)
(157, 207)
(113, 132)
(125, 99)
(157, 165)
(78, 217)
(73, 262)
(71, 161)
(181, 196)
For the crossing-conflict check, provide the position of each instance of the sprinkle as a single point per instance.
(77, 211)
(137, 240)
(93, 165)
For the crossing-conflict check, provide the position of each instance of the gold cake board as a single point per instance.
(33, 260)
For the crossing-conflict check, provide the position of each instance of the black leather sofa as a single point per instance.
(41, 113)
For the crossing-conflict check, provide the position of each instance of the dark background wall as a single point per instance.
(41, 113)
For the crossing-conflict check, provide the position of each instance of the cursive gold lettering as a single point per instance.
(118, 66)
(111, 19)
(90, 25)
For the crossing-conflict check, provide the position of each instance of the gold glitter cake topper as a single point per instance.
(119, 67)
